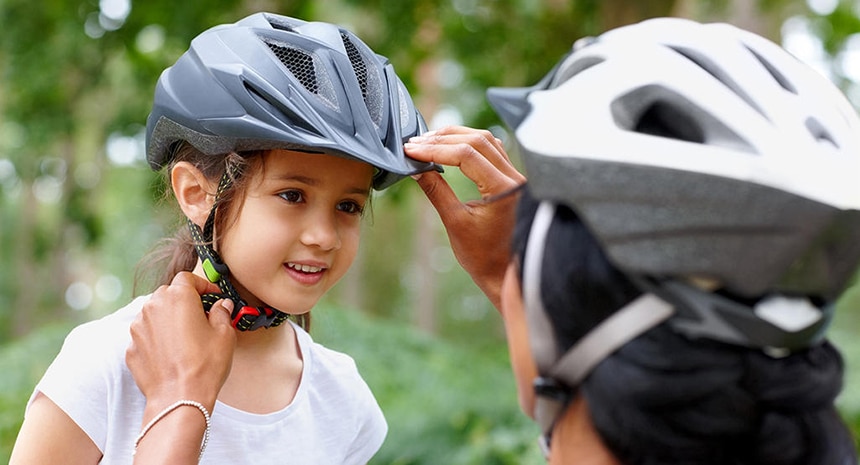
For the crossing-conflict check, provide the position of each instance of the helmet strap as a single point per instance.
(561, 374)
(244, 317)
(709, 315)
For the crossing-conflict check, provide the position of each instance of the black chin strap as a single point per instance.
(244, 316)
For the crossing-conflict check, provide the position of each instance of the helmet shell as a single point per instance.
(698, 150)
(271, 81)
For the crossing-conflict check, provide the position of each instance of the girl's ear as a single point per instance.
(193, 191)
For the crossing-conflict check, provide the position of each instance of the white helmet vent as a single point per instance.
(578, 66)
(819, 132)
(659, 111)
(719, 74)
(777, 76)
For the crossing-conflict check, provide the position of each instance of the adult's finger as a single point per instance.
(199, 283)
(481, 140)
(220, 314)
(477, 153)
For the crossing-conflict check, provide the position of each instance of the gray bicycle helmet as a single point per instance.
(691, 151)
(270, 81)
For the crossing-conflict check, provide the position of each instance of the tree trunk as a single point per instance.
(426, 219)
(615, 13)
(27, 289)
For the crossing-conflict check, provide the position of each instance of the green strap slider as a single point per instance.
(211, 273)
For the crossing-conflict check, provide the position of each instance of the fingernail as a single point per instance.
(228, 304)
(416, 176)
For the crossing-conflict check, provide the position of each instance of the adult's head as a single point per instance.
(692, 213)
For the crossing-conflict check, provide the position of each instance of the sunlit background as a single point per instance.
(79, 206)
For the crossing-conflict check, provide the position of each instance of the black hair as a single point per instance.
(663, 398)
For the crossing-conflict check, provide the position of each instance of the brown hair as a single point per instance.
(176, 253)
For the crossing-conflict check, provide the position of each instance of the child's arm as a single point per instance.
(479, 230)
(48, 435)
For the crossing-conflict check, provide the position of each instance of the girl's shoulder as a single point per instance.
(318, 357)
(332, 372)
(108, 330)
(108, 324)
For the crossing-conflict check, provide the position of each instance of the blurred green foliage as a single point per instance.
(79, 206)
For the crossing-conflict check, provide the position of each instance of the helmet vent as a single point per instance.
(711, 68)
(299, 63)
(368, 79)
(279, 24)
(302, 66)
(357, 64)
(819, 132)
(777, 76)
(404, 106)
(567, 71)
(658, 111)
(665, 120)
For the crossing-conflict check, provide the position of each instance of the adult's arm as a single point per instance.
(479, 229)
(178, 353)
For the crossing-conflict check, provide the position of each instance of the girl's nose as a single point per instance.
(321, 231)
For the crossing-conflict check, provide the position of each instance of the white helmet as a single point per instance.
(698, 150)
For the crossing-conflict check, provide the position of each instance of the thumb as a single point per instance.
(221, 313)
(438, 191)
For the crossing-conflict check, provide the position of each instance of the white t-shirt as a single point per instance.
(333, 419)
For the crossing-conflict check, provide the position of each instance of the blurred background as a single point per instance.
(79, 207)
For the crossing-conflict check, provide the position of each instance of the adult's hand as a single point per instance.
(176, 351)
(480, 229)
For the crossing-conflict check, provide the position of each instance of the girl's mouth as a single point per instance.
(304, 268)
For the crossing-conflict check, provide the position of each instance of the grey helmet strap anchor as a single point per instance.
(560, 374)
(244, 317)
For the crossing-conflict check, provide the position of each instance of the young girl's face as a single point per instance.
(296, 231)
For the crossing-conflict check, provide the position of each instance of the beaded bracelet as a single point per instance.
(171, 408)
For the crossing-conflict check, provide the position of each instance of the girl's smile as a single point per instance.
(306, 274)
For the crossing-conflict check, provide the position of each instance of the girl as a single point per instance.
(273, 132)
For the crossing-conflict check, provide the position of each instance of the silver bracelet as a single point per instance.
(171, 408)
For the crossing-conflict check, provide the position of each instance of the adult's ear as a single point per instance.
(194, 192)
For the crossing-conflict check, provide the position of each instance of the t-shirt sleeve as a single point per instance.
(78, 381)
(344, 401)
(371, 429)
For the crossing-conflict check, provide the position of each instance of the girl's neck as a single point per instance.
(266, 371)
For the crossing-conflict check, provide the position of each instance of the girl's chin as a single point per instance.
(292, 307)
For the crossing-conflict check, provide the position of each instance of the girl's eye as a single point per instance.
(292, 196)
(350, 207)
